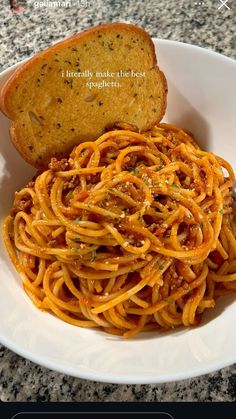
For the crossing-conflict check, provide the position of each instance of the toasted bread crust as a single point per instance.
(17, 144)
(7, 93)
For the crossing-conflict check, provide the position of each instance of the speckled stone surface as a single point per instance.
(23, 34)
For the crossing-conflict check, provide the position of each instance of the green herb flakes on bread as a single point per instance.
(53, 106)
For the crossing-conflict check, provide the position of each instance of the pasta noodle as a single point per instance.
(133, 232)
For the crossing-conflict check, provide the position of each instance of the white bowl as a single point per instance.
(202, 86)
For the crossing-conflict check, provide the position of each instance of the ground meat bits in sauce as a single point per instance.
(22, 205)
(72, 183)
(56, 165)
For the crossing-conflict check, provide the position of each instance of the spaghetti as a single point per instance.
(134, 232)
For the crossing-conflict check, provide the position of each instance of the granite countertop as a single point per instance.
(23, 34)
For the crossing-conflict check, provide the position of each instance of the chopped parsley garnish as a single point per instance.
(160, 266)
(94, 255)
(221, 211)
(106, 196)
(161, 159)
(175, 186)
(77, 239)
(69, 195)
(167, 301)
(132, 170)
(76, 220)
